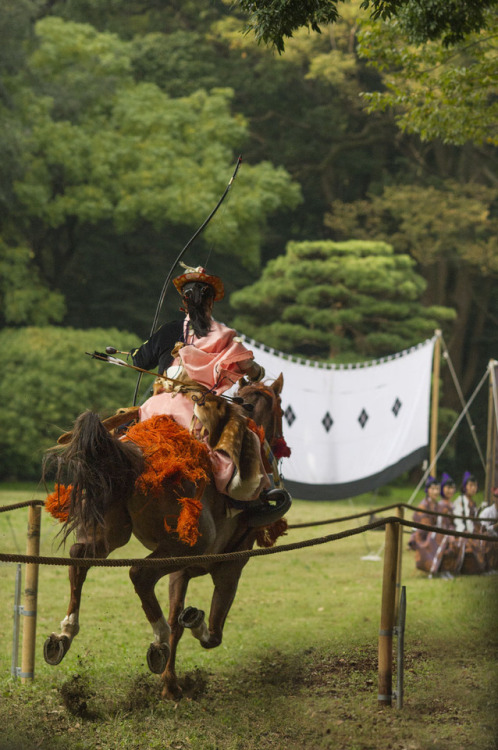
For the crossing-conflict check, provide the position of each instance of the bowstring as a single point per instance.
(178, 259)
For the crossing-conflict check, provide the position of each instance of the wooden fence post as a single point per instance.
(385, 668)
(30, 596)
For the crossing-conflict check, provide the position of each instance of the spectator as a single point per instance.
(465, 504)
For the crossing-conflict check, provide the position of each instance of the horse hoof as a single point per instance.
(191, 617)
(55, 648)
(212, 642)
(157, 657)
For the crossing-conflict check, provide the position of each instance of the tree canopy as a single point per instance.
(100, 154)
(434, 90)
(273, 21)
(451, 230)
(343, 300)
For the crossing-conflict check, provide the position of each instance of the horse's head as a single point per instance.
(267, 409)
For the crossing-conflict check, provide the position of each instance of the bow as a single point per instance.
(178, 259)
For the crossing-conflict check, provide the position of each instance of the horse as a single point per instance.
(106, 504)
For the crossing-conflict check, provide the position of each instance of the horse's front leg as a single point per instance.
(144, 580)
(226, 579)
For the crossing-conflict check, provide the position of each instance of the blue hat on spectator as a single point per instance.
(430, 481)
(446, 479)
(467, 477)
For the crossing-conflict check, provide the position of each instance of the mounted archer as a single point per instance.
(204, 358)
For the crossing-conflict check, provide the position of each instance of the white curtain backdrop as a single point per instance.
(351, 428)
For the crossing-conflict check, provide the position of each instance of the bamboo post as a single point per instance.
(491, 439)
(30, 596)
(400, 512)
(385, 667)
(436, 369)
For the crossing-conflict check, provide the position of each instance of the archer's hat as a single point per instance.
(200, 274)
(446, 479)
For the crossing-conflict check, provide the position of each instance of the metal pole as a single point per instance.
(400, 512)
(400, 676)
(435, 402)
(30, 596)
(385, 668)
(17, 611)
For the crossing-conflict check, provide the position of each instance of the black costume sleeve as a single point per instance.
(156, 351)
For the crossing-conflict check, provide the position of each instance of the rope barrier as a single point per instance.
(26, 504)
(381, 510)
(183, 562)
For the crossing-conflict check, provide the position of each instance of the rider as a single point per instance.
(211, 354)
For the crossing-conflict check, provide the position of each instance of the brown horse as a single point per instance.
(105, 509)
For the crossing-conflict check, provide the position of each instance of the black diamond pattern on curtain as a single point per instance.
(289, 415)
(327, 422)
(363, 418)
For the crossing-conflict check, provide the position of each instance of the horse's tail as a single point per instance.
(100, 469)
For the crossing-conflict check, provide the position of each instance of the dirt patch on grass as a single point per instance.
(194, 684)
(76, 695)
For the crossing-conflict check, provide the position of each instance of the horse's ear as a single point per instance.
(242, 383)
(278, 384)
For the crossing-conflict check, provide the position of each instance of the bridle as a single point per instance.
(275, 427)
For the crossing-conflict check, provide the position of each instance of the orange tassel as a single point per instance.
(173, 456)
(257, 429)
(58, 502)
(268, 535)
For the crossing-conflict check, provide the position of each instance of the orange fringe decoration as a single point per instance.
(172, 455)
(257, 429)
(268, 535)
(58, 502)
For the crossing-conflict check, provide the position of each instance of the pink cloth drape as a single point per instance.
(212, 360)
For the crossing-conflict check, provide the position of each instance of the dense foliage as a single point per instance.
(122, 122)
(434, 90)
(46, 382)
(346, 301)
(275, 20)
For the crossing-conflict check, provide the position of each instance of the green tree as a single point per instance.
(451, 231)
(103, 155)
(24, 299)
(436, 91)
(46, 382)
(343, 300)
(273, 21)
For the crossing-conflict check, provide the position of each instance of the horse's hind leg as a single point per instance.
(57, 644)
(144, 580)
(178, 583)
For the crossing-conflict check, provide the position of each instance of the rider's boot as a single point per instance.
(272, 505)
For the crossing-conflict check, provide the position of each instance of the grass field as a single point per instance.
(297, 667)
